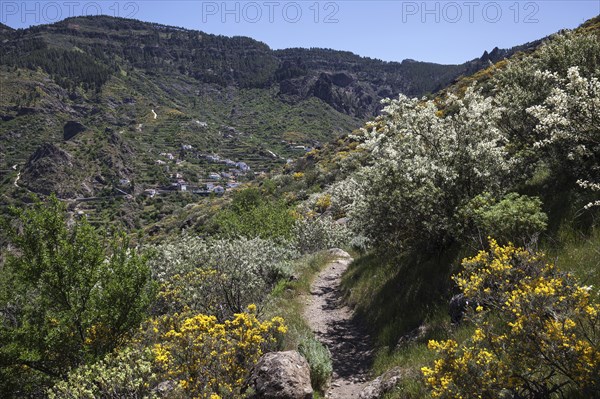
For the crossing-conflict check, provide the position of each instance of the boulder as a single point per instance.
(457, 307)
(280, 375)
(384, 383)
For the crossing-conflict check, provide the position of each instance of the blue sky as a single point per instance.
(437, 31)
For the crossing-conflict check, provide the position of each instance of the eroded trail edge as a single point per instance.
(333, 324)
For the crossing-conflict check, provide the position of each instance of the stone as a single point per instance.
(383, 384)
(164, 388)
(457, 307)
(418, 334)
(338, 253)
(280, 375)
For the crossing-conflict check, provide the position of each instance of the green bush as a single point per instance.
(515, 218)
(319, 359)
(68, 295)
(251, 215)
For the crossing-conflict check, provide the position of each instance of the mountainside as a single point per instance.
(127, 101)
(471, 215)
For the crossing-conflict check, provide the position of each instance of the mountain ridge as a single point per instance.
(160, 89)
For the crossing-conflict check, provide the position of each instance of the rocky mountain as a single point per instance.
(91, 101)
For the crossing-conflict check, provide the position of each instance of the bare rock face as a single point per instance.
(383, 384)
(281, 375)
(50, 169)
(72, 129)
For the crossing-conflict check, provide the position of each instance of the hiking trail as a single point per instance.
(332, 322)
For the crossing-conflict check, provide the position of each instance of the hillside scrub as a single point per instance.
(518, 162)
(426, 160)
(220, 277)
(68, 295)
(537, 332)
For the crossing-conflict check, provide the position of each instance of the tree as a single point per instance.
(68, 295)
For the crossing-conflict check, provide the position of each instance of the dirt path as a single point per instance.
(331, 320)
(17, 179)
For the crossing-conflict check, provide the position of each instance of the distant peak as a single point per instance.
(4, 28)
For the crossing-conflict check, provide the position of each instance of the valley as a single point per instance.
(186, 215)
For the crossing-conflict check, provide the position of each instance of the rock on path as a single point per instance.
(332, 322)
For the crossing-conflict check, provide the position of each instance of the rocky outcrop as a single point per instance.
(384, 383)
(323, 89)
(280, 375)
(341, 79)
(72, 129)
(50, 169)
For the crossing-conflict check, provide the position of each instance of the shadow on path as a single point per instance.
(333, 323)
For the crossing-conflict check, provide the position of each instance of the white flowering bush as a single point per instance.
(568, 125)
(550, 105)
(343, 193)
(219, 277)
(528, 81)
(124, 374)
(424, 163)
(593, 187)
(315, 234)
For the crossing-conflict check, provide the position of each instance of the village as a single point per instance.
(214, 182)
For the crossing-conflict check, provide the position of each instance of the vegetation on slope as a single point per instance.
(419, 190)
(231, 96)
(431, 180)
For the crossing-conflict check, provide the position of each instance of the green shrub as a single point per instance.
(319, 359)
(515, 218)
(68, 295)
(251, 215)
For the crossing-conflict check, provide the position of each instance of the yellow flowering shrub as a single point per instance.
(196, 290)
(298, 176)
(209, 359)
(537, 332)
(323, 202)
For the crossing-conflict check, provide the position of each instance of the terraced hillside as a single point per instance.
(89, 104)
